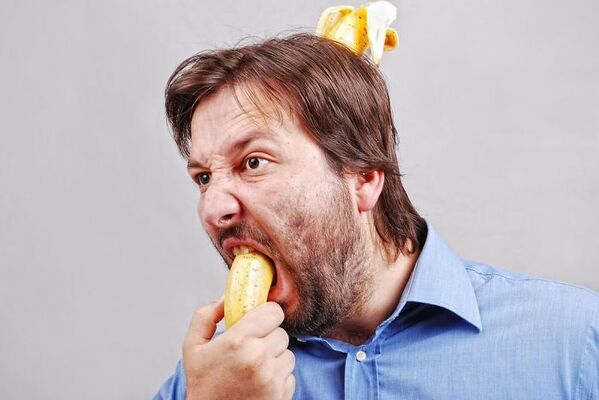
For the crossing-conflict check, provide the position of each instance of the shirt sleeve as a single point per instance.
(588, 380)
(174, 387)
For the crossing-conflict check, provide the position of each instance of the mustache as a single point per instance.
(244, 232)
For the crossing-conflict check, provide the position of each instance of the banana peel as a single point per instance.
(364, 28)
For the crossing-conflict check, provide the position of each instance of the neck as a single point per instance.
(387, 285)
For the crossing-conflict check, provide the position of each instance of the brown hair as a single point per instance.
(339, 98)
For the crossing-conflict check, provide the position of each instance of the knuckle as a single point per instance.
(291, 383)
(289, 387)
(232, 342)
(284, 336)
(290, 356)
(252, 360)
(264, 376)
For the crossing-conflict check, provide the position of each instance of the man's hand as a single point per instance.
(248, 361)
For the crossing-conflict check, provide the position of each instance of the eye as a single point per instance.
(203, 178)
(255, 163)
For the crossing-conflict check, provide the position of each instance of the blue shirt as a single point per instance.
(461, 330)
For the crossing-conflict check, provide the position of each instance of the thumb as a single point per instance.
(203, 324)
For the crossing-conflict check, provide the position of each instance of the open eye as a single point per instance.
(255, 163)
(203, 178)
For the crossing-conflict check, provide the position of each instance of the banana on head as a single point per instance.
(364, 28)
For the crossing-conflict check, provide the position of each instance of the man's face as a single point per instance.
(267, 185)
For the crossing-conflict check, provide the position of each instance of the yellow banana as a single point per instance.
(331, 17)
(391, 39)
(248, 283)
(363, 28)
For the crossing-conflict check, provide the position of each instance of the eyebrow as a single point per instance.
(239, 144)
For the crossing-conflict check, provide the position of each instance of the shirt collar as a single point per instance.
(440, 278)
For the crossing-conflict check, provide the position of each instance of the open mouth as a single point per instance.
(244, 249)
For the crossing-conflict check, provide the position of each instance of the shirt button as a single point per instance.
(360, 356)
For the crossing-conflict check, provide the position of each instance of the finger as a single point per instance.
(276, 342)
(285, 363)
(289, 387)
(203, 323)
(280, 368)
(259, 321)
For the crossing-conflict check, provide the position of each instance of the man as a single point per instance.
(292, 145)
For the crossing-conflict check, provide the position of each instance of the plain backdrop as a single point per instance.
(102, 256)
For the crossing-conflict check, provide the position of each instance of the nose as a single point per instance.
(219, 207)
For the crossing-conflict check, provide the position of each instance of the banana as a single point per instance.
(331, 17)
(391, 39)
(360, 29)
(248, 283)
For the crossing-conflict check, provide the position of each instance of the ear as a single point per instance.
(368, 188)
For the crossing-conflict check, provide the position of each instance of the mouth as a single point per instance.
(235, 247)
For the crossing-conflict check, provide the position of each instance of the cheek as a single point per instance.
(281, 203)
(298, 218)
(281, 209)
(291, 203)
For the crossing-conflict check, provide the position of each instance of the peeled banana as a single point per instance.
(248, 284)
(363, 28)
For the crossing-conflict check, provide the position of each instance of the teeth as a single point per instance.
(237, 250)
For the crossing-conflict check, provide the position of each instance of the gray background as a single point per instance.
(102, 257)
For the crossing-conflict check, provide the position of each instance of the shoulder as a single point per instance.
(558, 305)
(485, 277)
(559, 320)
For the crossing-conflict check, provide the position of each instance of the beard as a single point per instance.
(326, 254)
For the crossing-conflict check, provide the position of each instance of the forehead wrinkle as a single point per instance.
(232, 145)
(260, 101)
(265, 110)
(231, 120)
(273, 110)
(235, 142)
(247, 119)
